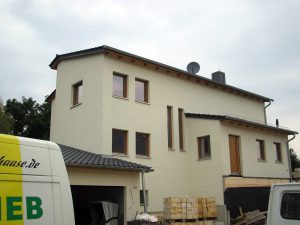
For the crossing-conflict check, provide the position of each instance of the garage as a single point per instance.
(100, 184)
(84, 196)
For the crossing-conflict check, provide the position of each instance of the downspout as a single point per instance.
(144, 191)
(270, 102)
(289, 156)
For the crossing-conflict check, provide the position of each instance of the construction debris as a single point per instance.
(254, 217)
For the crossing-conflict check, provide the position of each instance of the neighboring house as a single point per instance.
(202, 137)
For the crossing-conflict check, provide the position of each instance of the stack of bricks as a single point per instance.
(189, 211)
(207, 208)
(180, 208)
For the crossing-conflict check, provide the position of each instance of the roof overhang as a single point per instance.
(242, 122)
(132, 58)
(80, 158)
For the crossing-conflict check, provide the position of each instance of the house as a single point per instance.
(201, 136)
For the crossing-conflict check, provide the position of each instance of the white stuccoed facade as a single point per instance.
(176, 173)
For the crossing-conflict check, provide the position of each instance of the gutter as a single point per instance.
(270, 102)
(289, 156)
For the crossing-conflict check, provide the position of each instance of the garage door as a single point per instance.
(83, 195)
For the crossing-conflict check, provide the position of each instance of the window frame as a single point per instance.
(260, 147)
(146, 90)
(125, 145)
(124, 86)
(278, 152)
(181, 129)
(199, 147)
(76, 95)
(170, 127)
(142, 197)
(147, 144)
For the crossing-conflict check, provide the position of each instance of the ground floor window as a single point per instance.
(204, 151)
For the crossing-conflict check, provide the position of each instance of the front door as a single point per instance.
(234, 155)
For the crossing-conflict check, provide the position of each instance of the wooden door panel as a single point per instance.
(234, 154)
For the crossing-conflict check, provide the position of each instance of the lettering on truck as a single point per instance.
(14, 209)
(18, 163)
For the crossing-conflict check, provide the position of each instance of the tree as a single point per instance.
(295, 162)
(6, 123)
(30, 118)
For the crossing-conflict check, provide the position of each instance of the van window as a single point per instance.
(290, 206)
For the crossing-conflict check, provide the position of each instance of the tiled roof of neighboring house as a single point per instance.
(78, 157)
(158, 66)
(240, 121)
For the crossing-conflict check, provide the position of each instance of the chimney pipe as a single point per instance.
(218, 77)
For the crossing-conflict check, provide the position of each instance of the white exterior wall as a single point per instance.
(128, 180)
(89, 126)
(79, 126)
(251, 166)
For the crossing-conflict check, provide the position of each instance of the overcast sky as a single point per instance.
(255, 42)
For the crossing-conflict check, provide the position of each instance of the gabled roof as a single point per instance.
(239, 121)
(158, 66)
(78, 157)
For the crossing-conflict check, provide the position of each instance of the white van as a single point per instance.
(34, 186)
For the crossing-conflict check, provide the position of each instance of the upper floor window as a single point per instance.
(119, 141)
(260, 147)
(278, 152)
(77, 93)
(142, 144)
(170, 126)
(181, 133)
(119, 85)
(204, 151)
(141, 90)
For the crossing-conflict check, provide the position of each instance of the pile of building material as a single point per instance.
(189, 210)
(254, 217)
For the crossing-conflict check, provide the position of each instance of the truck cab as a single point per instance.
(34, 186)
(284, 204)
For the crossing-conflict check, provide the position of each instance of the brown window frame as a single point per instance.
(125, 145)
(147, 153)
(200, 141)
(181, 129)
(170, 126)
(142, 197)
(260, 146)
(278, 152)
(76, 88)
(146, 90)
(125, 84)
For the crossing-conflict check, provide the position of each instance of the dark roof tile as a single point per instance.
(78, 157)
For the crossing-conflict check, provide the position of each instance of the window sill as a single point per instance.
(261, 160)
(204, 159)
(119, 154)
(142, 102)
(182, 150)
(171, 149)
(120, 97)
(143, 157)
(73, 106)
(278, 162)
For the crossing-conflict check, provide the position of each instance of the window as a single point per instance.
(260, 147)
(290, 206)
(142, 144)
(77, 93)
(141, 90)
(278, 152)
(119, 85)
(170, 126)
(142, 197)
(180, 123)
(119, 141)
(204, 147)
